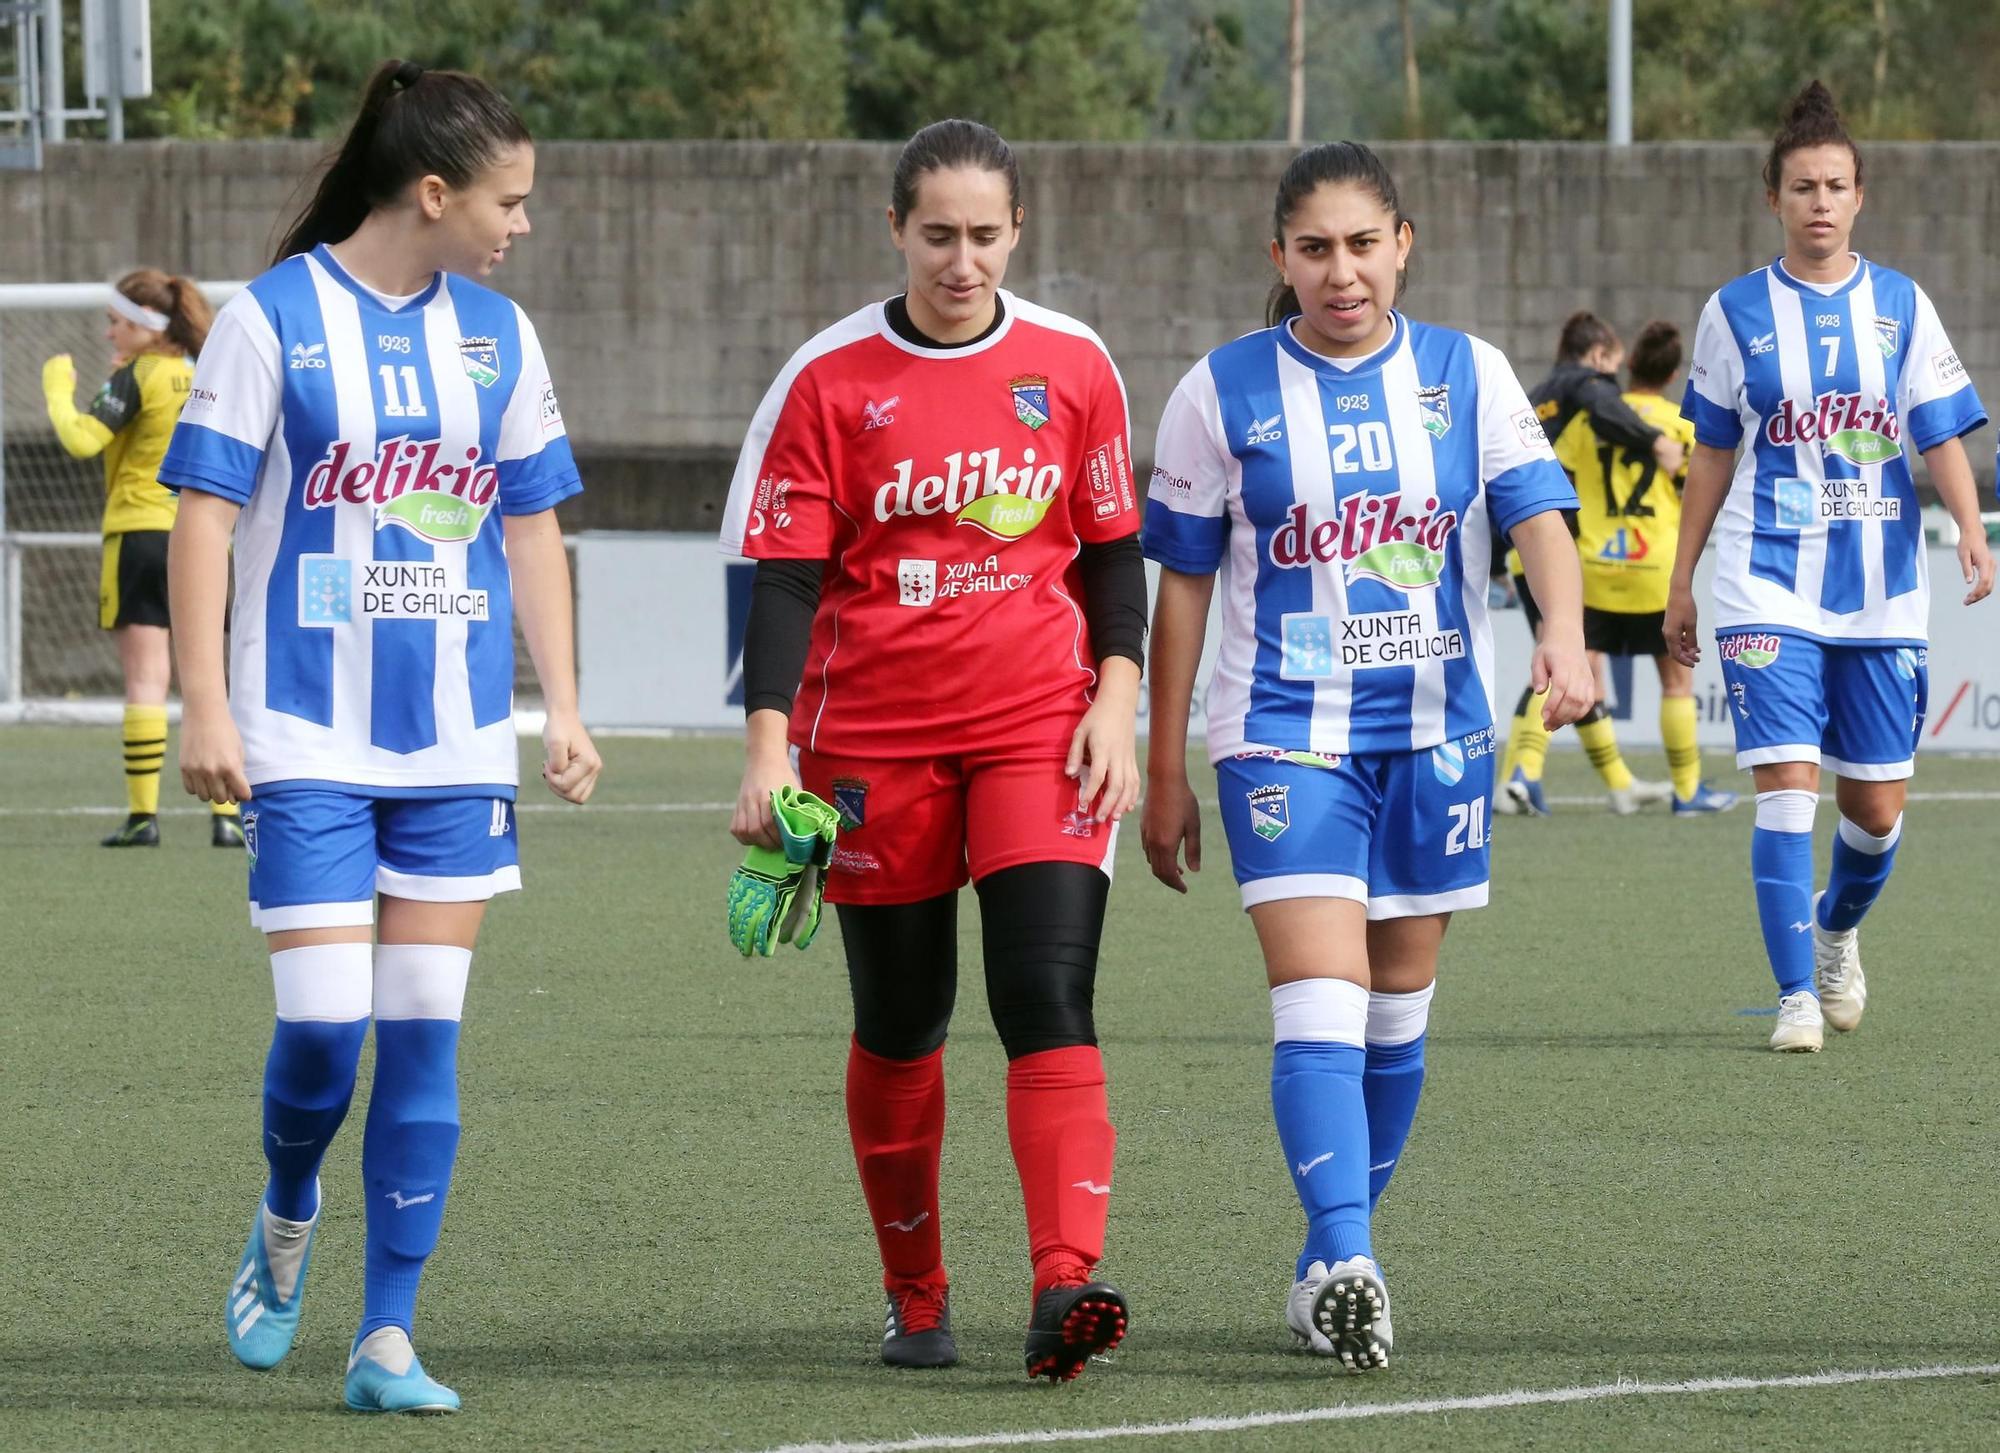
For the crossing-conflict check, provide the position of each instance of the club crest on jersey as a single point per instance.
(1888, 331)
(1270, 810)
(1752, 649)
(1031, 399)
(1434, 408)
(850, 800)
(481, 357)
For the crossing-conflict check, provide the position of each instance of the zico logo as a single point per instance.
(1005, 503)
(1751, 650)
(1843, 424)
(442, 503)
(1372, 537)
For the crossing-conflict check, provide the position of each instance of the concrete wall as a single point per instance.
(671, 281)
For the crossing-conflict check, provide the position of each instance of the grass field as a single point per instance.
(655, 1238)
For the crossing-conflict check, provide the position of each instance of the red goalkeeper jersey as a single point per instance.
(950, 490)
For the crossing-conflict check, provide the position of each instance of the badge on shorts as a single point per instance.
(850, 800)
(1448, 762)
(1270, 811)
(250, 838)
(1792, 504)
(1079, 823)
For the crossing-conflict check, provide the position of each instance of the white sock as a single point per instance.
(285, 1247)
(389, 1346)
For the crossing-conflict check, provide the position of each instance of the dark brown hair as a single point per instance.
(412, 123)
(946, 146)
(1583, 331)
(1656, 355)
(181, 299)
(1811, 119)
(1319, 166)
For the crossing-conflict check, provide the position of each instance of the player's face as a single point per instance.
(956, 241)
(127, 339)
(481, 221)
(1816, 200)
(1341, 253)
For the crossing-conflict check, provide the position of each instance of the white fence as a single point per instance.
(660, 641)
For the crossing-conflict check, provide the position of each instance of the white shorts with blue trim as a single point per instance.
(1855, 710)
(318, 857)
(1405, 833)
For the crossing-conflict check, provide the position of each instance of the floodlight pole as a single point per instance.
(1295, 121)
(1620, 82)
(53, 89)
(114, 70)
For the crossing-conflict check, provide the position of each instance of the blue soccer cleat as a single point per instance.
(260, 1322)
(1706, 800)
(373, 1388)
(1521, 796)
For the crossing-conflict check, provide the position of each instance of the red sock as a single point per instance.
(895, 1115)
(1060, 1128)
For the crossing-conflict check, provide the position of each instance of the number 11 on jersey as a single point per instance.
(409, 404)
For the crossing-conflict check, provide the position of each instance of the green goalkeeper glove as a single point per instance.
(775, 896)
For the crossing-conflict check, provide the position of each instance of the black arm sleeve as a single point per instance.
(1615, 421)
(783, 600)
(117, 403)
(1114, 598)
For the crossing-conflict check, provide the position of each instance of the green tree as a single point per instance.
(760, 69)
(1214, 90)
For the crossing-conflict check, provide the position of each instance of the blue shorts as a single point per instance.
(318, 858)
(1403, 832)
(1856, 710)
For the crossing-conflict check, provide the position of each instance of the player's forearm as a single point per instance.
(198, 596)
(1951, 476)
(1180, 620)
(81, 436)
(540, 570)
(766, 735)
(1548, 557)
(1701, 502)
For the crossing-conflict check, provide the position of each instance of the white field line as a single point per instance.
(1349, 1412)
(677, 807)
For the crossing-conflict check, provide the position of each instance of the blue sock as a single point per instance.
(308, 1082)
(1390, 1085)
(406, 1158)
(1323, 1126)
(1781, 862)
(1861, 864)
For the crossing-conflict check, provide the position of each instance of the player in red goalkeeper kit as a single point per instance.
(946, 627)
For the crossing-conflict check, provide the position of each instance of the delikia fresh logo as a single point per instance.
(975, 489)
(1031, 399)
(1846, 425)
(1004, 516)
(445, 502)
(432, 515)
(1756, 651)
(1373, 537)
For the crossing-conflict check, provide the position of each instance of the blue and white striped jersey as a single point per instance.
(1348, 512)
(1827, 386)
(372, 636)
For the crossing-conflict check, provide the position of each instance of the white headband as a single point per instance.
(138, 313)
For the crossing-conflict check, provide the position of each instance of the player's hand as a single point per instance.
(1104, 759)
(59, 377)
(752, 825)
(1975, 559)
(1679, 628)
(1171, 818)
(1670, 455)
(570, 763)
(1562, 669)
(212, 756)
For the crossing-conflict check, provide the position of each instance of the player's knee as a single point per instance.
(902, 969)
(1041, 923)
(902, 1026)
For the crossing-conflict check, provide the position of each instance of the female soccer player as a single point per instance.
(359, 413)
(946, 625)
(155, 325)
(1581, 412)
(1825, 364)
(1341, 468)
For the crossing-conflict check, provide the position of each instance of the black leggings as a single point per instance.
(1040, 925)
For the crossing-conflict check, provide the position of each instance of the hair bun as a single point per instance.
(408, 74)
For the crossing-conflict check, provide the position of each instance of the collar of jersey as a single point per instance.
(1327, 368)
(325, 258)
(1806, 289)
(1010, 310)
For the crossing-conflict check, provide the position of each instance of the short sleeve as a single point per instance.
(537, 469)
(1107, 508)
(117, 403)
(780, 496)
(1934, 396)
(1516, 464)
(232, 406)
(1715, 381)
(1187, 503)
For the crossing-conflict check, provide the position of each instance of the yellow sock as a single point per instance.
(1677, 732)
(1527, 742)
(145, 750)
(224, 809)
(1600, 743)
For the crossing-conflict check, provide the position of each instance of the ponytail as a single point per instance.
(1582, 332)
(181, 299)
(1811, 119)
(412, 123)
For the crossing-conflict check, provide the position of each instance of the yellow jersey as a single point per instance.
(129, 422)
(1629, 519)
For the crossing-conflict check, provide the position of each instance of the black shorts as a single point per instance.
(132, 590)
(1624, 633)
(1528, 607)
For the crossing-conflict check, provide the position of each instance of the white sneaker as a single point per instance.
(1351, 1311)
(1843, 988)
(1298, 1311)
(1799, 1025)
(1625, 801)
